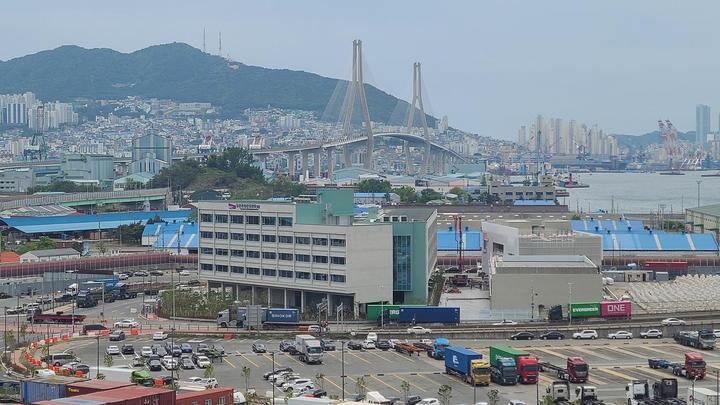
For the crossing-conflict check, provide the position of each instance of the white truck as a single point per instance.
(701, 396)
(309, 349)
(637, 392)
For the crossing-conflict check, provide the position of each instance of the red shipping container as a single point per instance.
(134, 395)
(199, 397)
(91, 386)
(614, 309)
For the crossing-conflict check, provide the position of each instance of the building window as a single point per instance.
(320, 276)
(252, 237)
(237, 269)
(302, 258)
(319, 259)
(285, 239)
(269, 272)
(285, 221)
(221, 235)
(206, 235)
(269, 238)
(337, 242)
(252, 220)
(221, 252)
(221, 268)
(208, 402)
(237, 236)
(319, 241)
(285, 256)
(337, 278)
(221, 219)
(221, 401)
(206, 250)
(402, 264)
(253, 254)
(193, 403)
(269, 255)
(253, 271)
(302, 240)
(206, 266)
(206, 218)
(337, 260)
(237, 219)
(237, 253)
(268, 220)
(286, 273)
(302, 275)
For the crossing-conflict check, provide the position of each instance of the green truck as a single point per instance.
(521, 366)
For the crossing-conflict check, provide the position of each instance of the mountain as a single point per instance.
(182, 73)
(641, 141)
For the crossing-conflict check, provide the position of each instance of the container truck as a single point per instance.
(586, 395)
(446, 315)
(58, 317)
(693, 368)
(503, 370)
(666, 391)
(271, 318)
(702, 339)
(576, 370)
(701, 396)
(467, 364)
(527, 364)
(437, 351)
(309, 349)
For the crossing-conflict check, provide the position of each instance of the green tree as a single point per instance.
(63, 187)
(463, 195)
(43, 243)
(131, 234)
(445, 394)
(429, 194)
(374, 186)
(246, 373)
(101, 247)
(108, 360)
(405, 388)
(493, 396)
(360, 386)
(209, 371)
(284, 187)
(178, 175)
(407, 194)
(547, 399)
(236, 160)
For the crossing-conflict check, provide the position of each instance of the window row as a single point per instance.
(246, 219)
(254, 254)
(254, 237)
(256, 271)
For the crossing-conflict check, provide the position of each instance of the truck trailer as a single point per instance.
(467, 364)
(702, 339)
(527, 364)
(576, 370)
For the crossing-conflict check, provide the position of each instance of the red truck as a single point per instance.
(526, 364)
(576, 370)
(38, 317)
(693, 368)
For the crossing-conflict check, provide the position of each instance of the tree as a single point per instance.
(405, 388)
(246, 373)
(208, 372)
(108, 360)
(493, 396)
(284, 187)
(41, 244)
(547, 399)
(374, 186)
(429, 194)
(461, 193)
(131, 234)
(178, 175)
(407, 194)
(445, 394)
(101, 247)
(64, 187)
(360, 386)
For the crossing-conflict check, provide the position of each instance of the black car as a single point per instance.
(186, 348)
(157, 273)
(286, 346)
(522, 336)
(193, 282)
(176, 351)
(382, 345)
(140, 274)
(202, 348)
(258, 348)
(327, 345)
(127, 349)
(277, 370)
(354, 345)
(413, 399)
(186, 363)
(117, 335)
(154, 365)
(316, 393)
(552, 335)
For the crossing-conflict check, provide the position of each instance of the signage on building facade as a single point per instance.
(243, 206)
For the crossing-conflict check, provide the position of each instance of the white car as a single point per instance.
(672, 322)
(184, 273)
(123, 276)
(586, 334)
(371, 336)
(112, 350)
(653, 333)
(160, 335)
(44, 373)
(429, 401)
(716, 333)
(126, 323)
(203, 362)
(298, 385)
(504, 322)
(419, 330)
(368, 344)
(170, 363)
(146, 351)
(621, 334)
(287, 379)
(393, 342)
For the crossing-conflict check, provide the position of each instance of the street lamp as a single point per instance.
(102, 312)
(342, 361)
(5, 334)
(98, 357)
(272, 383)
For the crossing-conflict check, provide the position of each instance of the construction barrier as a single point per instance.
(54, 339)
(79, 374)
(227, 336)
(159, 382)
(104, 332)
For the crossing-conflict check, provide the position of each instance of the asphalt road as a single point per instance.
(613, 364)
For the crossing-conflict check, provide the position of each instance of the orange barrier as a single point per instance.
(227, 336)
(65, 338)
(134, 332)
(54, 339)
(79, 374)
(104, 332)
(159, 381)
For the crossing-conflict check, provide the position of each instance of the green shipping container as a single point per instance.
(373, 311)
(585, 309)
(505, 351)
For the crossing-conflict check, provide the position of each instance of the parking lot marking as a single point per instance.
(228, 362)
(550, 352)
(334, 385)
(408, 358)
(654, 372)
(592, 352)
(627, 352)
(385, 384)
(617, 373)
(429, 380)
(355, 355)
(381, 357)
(248, 360)
(289, 356)
(546, 380)
(412, 384)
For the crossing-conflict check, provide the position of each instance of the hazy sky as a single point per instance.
(489, 65)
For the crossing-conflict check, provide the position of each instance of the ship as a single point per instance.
(672, 173)
(570, 183)
(717, 174)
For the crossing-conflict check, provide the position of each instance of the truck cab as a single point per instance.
(559, 391)
(577, 369)
(637, 392)
(504, 371)
(480, 372)
(667, 388)
(438, 348)
(527, 369)
(694, 366)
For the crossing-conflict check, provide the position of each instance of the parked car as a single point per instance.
(160, 335)
(140, 274)
(287, 347)
(116, 336)
(372, 336)
(185, 348)
(184, 273)
(672, 322)
(202, 348)
(258, 348)
(126, 323)
(654, 333)
(123, 276)
(382, 345)
(112, 350)
(75, 366)
(505, 322)
(127, 349)
(413, 399)
(170, 363)
(552, 335)
(716, 333)
(354, 345)
(586, 334)
(327, 345)
(419, 330)
(298, 384)
(186, 363)
(207, 382)
(429, 401)
(202, 361)
(175, 350)
(522, 336)
(159, 350)
(156, 273)
(621, 334)
(146, 351)
(277, 370)
(368, 344)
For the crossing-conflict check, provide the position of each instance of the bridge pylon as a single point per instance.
(356, 88)
(417, 102)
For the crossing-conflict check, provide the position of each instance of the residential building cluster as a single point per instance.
(556, 136)
(26, 110)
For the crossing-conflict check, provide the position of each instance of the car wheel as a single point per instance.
(592, 338)
(561, 337)
(613, 337)
(543, 338)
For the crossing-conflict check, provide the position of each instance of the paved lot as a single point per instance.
(613, 363)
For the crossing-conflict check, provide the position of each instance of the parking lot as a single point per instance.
(613, 364)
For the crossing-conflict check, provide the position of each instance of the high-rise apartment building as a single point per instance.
(702, 123)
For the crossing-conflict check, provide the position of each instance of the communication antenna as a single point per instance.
(220, 44)
(204, 48)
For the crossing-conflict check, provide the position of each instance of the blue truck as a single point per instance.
(414, 315)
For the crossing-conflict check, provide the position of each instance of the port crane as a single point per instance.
(37, 150)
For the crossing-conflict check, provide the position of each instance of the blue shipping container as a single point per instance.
(282, 315)
(458, 359)
(39, 390)
(450, 315)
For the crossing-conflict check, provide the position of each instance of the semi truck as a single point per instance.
(701, 396)
(560, 393)
(467, 364)
(309, 349)
(271, 318)
(693, 368)
(576, 370)
(58, 317)
(503, 370)
(702, 339)
(526, 364)
(436, 350)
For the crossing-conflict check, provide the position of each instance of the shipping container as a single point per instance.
(133, 395)
(373, 311)
(42, 389)
(614, 309)
(91, 386)
(214, 395)
(282, 315)
(679, 266)
(447, 315)
(585, 309)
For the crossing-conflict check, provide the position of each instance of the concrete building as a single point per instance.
(150, 153)
(297, 254)
(81, 167)
(543, 191)
(702, 124)
(703, 219)
(528, 286)
(48, 255)
(376, 198)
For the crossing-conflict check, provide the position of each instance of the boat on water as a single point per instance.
(672, 173)
(711, 175)
(570, 183)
